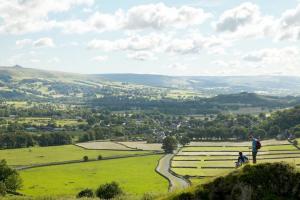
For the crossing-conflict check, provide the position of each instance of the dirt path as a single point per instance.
(163, 168)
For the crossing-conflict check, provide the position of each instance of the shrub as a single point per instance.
(100, 157)
(185, 196)
(85, 158)
(9, 178)
(2, 189)
(147, 196)
(88, 193)
(295, 142)
(108, 190)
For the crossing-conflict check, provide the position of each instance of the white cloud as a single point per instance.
(220, 63)
(43, 42)
(289, 25)
(100, 58)
(33, 16)
(159, 16)
(231, 20)
(243, 21)
(141, 55)
(20, 17)
(178, 67)
(283, 56)
(195, 43)
(97, 22)
(22, 43)
(133, 43)
(160, 43)
(154, 16)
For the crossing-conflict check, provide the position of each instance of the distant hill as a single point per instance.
(274, 85)
(169, 94)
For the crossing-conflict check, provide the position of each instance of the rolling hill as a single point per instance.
(273, 85)
(25, 83)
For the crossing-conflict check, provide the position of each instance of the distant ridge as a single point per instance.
(211, 85)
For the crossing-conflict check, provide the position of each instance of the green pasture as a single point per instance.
(41, 155)
(268, 153)
(237, 148)
(135, 176)
(212, 148)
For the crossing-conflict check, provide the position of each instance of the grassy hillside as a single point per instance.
(256, 182)
(135, 176)
(276, 85)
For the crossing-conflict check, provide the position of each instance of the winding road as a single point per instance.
(163, 168)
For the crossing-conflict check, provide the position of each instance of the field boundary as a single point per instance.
(267, 145)
(175, 174)
(82, 161)
(128, 146)
(106, 149)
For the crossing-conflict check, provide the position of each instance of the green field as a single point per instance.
(135, 176)
(40, 155)
(212, 161)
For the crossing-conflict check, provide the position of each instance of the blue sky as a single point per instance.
(172, 37)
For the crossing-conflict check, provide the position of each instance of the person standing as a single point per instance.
(255, 147)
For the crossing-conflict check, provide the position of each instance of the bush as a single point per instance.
(185, 196)
(100, 157)
(295, 142)
(148, 196)
(9, 178)
(88, 193)
(2, 189)
(108, 190)
(85, 158)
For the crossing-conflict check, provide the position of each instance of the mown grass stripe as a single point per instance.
(186, 160)
(219, 167)
(188, 167)
(276, 158)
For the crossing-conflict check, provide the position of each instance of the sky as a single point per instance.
(170, 37)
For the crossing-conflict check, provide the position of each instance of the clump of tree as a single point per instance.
(10, 180)
(169, 144)
(256, 182)
(108, 190)
(184, 140)
(85, 158)
(21, 140)
(86, 193)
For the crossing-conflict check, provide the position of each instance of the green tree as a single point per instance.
(108, 190)
(169, 144)
(9, 178)
(85, 158)
(184, 140)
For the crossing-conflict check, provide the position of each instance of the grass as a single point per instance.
(224, 148)
(135, 176)
(39, 155)
(202, 157)
(143, 146)
(104, 145)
